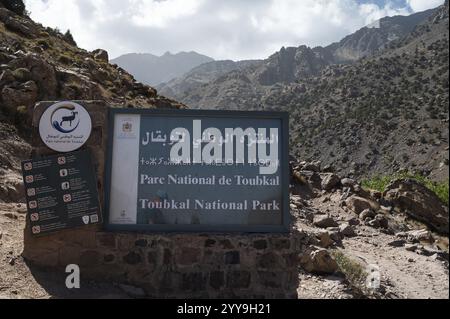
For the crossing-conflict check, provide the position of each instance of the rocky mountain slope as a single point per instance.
(382, 113)
(376, 36)
(290, 64)
(201, 75)
(153, 70)
(38, 63)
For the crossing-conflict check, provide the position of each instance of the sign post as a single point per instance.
(200, 171)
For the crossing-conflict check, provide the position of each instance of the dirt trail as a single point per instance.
(409, 275)
(18, 280)
(404, 274)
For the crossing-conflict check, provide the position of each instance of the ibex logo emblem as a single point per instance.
(65, 119)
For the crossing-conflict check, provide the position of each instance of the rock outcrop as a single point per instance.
(419, 202)
(48, 67)
(16, 6)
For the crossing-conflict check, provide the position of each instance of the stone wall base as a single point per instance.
(178, 265)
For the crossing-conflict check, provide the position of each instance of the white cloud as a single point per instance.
(161, 13)
(223, 29)
(422, 5)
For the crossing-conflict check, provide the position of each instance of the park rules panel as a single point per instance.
(61, 192)
(198, 171)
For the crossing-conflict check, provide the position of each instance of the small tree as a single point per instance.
(69, 38)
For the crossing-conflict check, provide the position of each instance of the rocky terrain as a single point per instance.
(401, 235)
(354, 231)
(384, 110)
(398, 235)
(291, 64)
(202, 75)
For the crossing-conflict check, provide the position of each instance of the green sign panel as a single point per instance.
(198, 171)
(61, 192)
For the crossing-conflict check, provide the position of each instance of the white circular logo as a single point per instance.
(65, 127)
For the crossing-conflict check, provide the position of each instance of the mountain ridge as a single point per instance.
(381, 114)
(291, 63)
(153, 70)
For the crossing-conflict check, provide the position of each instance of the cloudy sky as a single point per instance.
(222, 29)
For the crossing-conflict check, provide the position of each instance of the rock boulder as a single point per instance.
(418, 202)
(318, 261)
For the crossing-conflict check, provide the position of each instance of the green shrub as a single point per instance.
(69, 38)
(355, 275)
(46, 44)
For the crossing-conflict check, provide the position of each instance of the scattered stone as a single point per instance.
(314, 167)
(422, 235)
(42, 73)
(353, 221)
(324, 221)
(347, 230)
(435, 257)
(318, 261)
(429, 252)
(411, 247)
(335, 234)
(11, 216)
(22, 75)
(299, 178)
(367, 213)
(374, 223)
(296, 200)
(6, 77)
(329, 181)
(311, 178)
(348, 182)
(19, 27)
(325, 240)
(24, 94)
(358, 204)
(383, 221)
(12, 261)
(416, 236)
(361, 192)
(101, 55)
(307, 214)
(397, 243)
